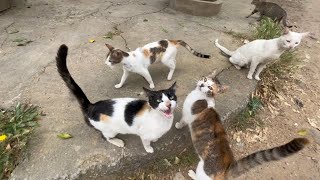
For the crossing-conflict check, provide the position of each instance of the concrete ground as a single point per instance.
(28, 73)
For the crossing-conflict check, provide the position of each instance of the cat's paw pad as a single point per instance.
(192, 174)
(249, 77)
(179, 125)
(257, 78)
(149, 149)
(117, 142)
(151, 86)
(118, 86)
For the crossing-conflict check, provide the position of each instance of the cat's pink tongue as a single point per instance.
(168, 113)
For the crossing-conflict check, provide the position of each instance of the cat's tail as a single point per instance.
(224, 51)
(268, 155)
(189, 48)
(61, 60)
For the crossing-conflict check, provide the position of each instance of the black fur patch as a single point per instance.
(101, 107)
(163, 43)
(132, 108)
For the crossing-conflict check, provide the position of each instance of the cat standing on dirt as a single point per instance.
(216, 158)
(147, 119)
(200, 98)
(139, 60)
(271, 10)
(260, 52)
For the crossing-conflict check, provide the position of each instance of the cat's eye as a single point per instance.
(159, 101)
(288, 41)
(171, 98)
(296, 42)
(201, 85)
(210, 87)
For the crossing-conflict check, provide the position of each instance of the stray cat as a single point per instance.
(271, 10)
(139, 60)
(216, 158)
(200, 98)
(260, 52)
(148, 119)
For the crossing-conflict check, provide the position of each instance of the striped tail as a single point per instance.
(184, 44)
(273, 154)
(224, 51)
(284, 22)
(61, 60)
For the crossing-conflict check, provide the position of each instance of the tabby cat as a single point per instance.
(139, 60)
(271, 10)
(148, 119)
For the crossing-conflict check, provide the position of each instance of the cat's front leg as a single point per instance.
(145, 73)
(260, 68)
(180, 124)
(192, 174)
(123, 78)
(146, 145)
(253, 66)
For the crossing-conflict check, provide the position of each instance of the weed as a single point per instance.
(164, 30)
(247, 118)
(16, 126)
(267, 29)
(239, 35)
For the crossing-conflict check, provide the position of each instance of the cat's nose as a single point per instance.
(168, 105)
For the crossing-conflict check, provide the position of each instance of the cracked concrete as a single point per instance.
(28, 73)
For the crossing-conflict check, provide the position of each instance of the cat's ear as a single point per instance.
(147, 91)
(304, 34)
(213, 74)
(173, 87)
(109, 47)
(223, 89)
(285, 31)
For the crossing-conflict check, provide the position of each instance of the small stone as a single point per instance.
(238, 139)
(178, 176)
(296, 124)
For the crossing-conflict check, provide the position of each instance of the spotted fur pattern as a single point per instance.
(148, 119)
(139, 60)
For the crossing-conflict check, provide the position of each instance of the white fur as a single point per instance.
(200, 173)
(198, 93)
(150, 126)
(136, 62)
(260, 52)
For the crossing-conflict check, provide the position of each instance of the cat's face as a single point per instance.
(211, 86)
(114, 56)
(164, 101)
(290, 39)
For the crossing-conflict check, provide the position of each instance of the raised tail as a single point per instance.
(273, 154)
(61, 60)
(224, 51)
(184, 44)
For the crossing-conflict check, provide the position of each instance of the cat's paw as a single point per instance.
(151, 86)
(237, 67)
(117, 142)
(257, 78)
(149, 149)
(249, 76)
(179, 125)
(192, 174)
(155, 140)
(118, 86)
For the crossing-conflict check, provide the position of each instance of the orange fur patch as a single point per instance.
(146, 53)
(103, 117)
(174, 42)
(145, 107)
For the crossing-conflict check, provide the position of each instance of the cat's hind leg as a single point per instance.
(123, 78)
(171, 64)
(110, 137)
(145, 73)
(146, 145)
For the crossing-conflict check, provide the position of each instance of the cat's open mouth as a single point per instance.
(167, 113)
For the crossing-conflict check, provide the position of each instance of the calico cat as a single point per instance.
(216, 158)
(260, 52)
(271, 10)
(139, 60)
(148, 119)
(201, 97)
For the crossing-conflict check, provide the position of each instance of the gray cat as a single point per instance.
(271, 10)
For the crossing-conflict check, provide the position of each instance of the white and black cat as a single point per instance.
(260, 52)
(148, 119)
(139, 60)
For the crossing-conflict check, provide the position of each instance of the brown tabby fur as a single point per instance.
(211, 143)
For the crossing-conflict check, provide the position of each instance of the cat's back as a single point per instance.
(270, 9)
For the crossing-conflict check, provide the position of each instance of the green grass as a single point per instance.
(16, 124)
(247, 118)
(267, 29)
